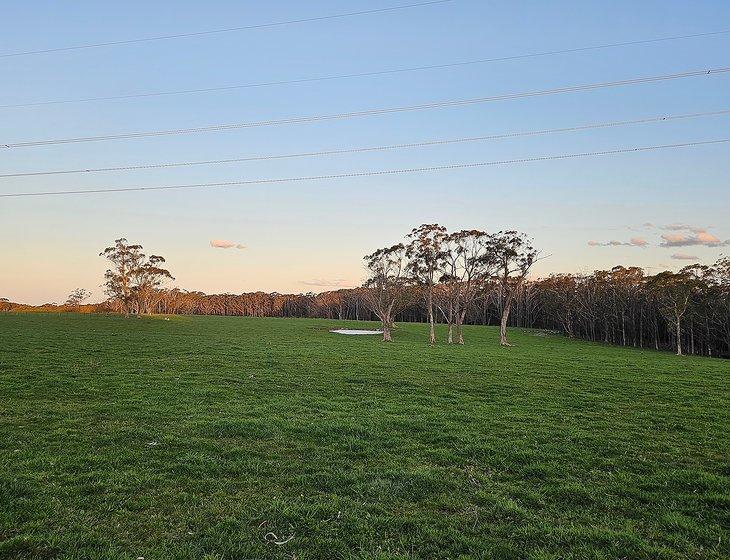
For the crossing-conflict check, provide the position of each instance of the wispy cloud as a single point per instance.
(633, 242)
(697, 237)
(684, 257)
(676, 226)
(684, 227)
(225, 244)
(686, 235)
(328, 283)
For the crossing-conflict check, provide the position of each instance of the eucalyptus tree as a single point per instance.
(467, 264)
(718, 302)
(475, 262)
(77, 297)
(513, 256)
(425, 254)
(118, 280)
(133, 279)
(560, 297)
(448, 291)
(387, 279)
(673, 292)
(625, 284)
(148, 277)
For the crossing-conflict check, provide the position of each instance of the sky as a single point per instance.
(583, 213)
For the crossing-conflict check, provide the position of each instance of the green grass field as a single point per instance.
(217, 438)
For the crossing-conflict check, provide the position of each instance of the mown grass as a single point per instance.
(212, 438)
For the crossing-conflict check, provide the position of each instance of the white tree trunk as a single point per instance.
(460, 328)
(679, 338)
(503, 324)
(431, 328)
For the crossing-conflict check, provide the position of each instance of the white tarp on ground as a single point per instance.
(355, 331)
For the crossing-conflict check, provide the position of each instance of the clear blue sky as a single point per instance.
(304, 236)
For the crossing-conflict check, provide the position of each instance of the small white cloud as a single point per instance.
(684, 257)
(225, 244)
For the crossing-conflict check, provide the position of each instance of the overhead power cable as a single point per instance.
(224, 30)
(367, 112)
(362, 74)
(368, 173)
(421, 144)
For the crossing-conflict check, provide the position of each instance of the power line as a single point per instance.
(425, 143)
(370, 173)
(225, 30)
(363, 74)
(367, 112)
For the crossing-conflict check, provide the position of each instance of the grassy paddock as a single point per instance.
(213, 437)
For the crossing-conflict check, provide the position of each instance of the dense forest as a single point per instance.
(687, 311)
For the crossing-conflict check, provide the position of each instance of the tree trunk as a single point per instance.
(460, 328)
(503, 325)
(709, 345)
(679, 338)
(431, 328)
(386, 329)
(641, 329)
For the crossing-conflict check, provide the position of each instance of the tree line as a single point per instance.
(481, 278)
(466, 277)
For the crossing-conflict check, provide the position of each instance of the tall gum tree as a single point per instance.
(125, 260)
(425, 255)
(674, 293)
(386, 283)
(560, 300)
(513, 255)
(133, 279)
(470, 264)
(148, 278)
